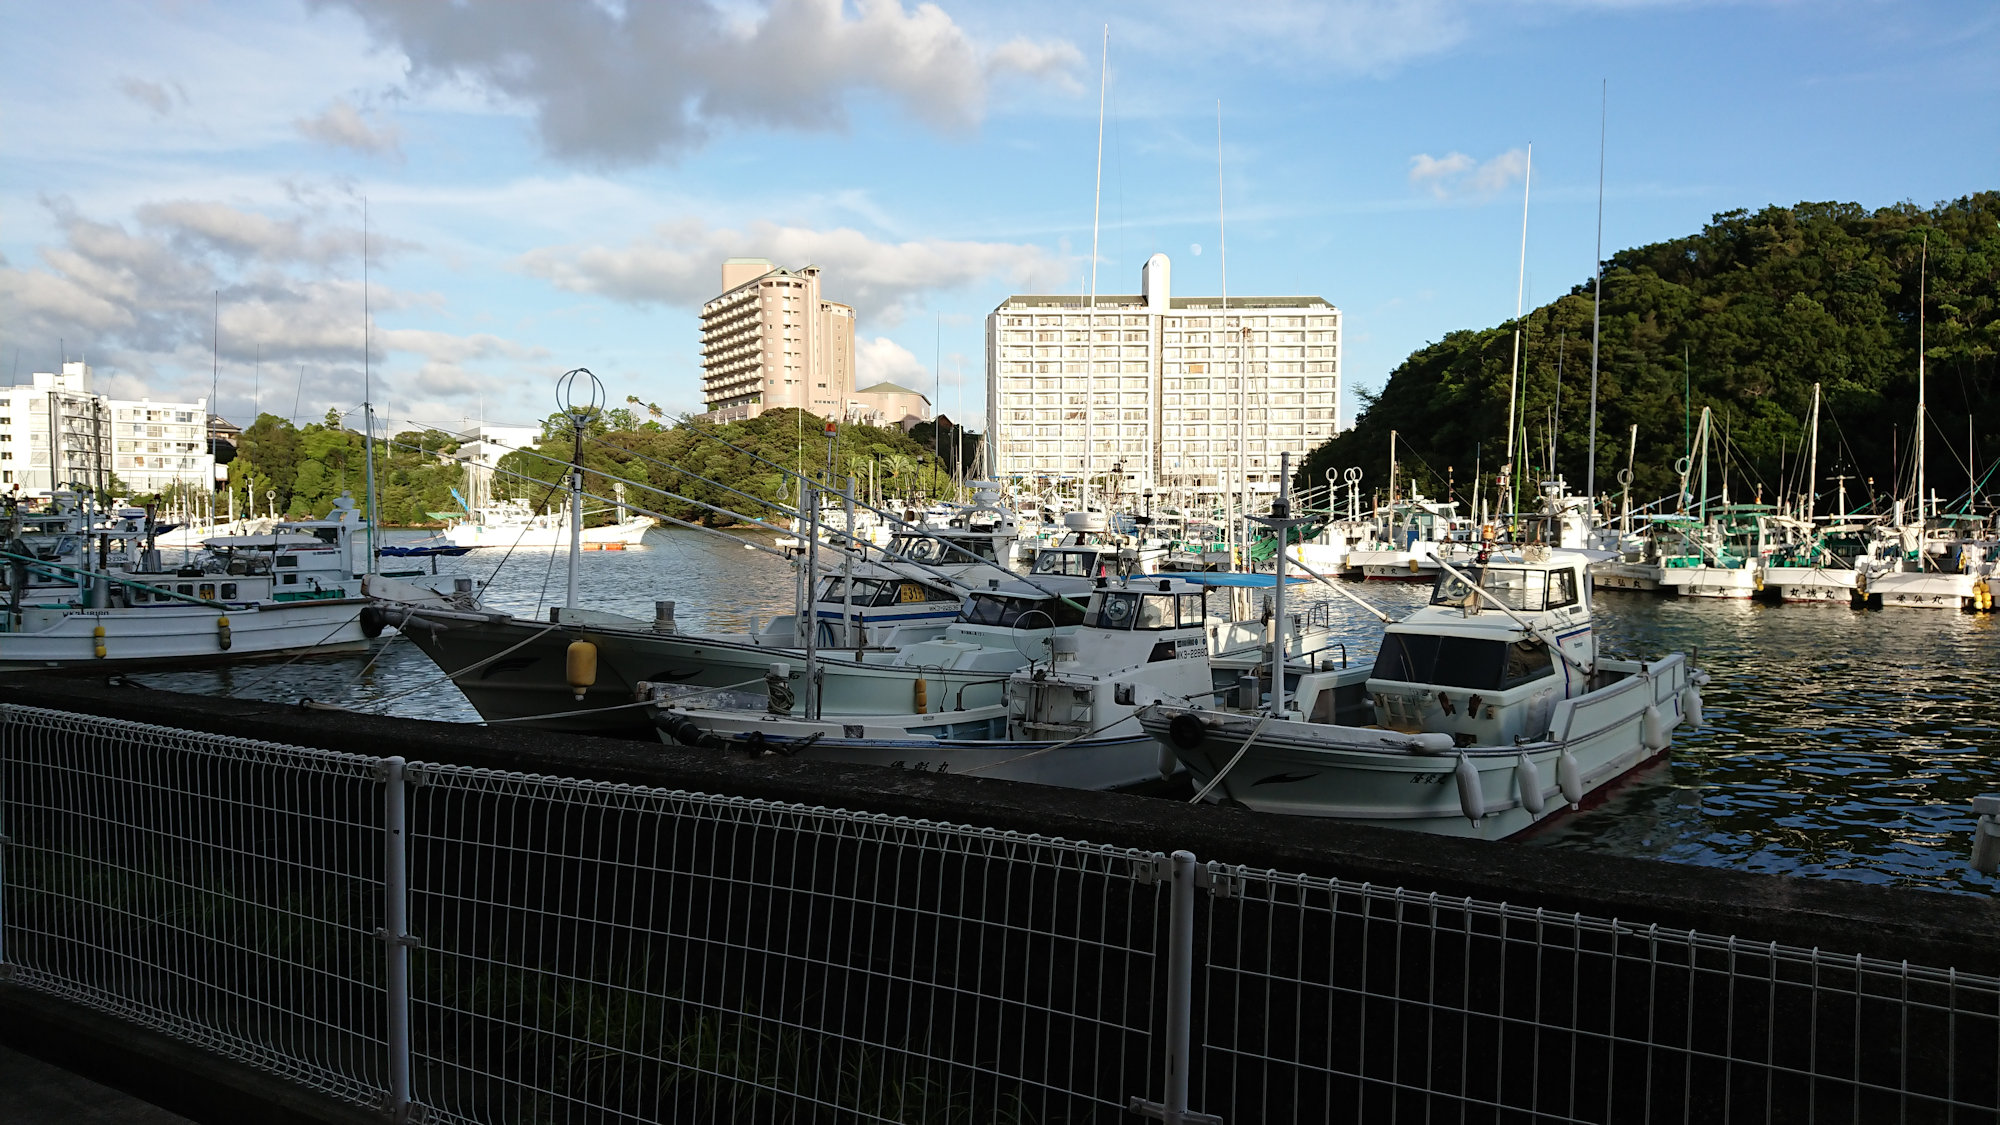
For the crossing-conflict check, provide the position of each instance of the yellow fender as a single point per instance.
(580, 667)
(921, 701)
(222, 632)
(97, 641)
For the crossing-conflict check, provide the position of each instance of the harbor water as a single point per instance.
(1838, 743)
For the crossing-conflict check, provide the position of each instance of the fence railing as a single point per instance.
(480, 946)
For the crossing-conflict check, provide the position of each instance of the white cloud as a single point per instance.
(1456, 174)
(882, 360)
(680, 265)
(146, 300)
(342, 126)
(629, 83)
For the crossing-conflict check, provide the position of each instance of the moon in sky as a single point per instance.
(1195, 249)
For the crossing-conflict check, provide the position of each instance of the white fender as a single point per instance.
(1653, 730)
(1691, 707)
(1569, 779)
(1168, 762)
(1529, 780)
(1471, 799)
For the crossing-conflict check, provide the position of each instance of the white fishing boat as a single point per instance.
(1409, 537)
(1068, 716)
(1486, 712)
(295, 589)
(512, 523)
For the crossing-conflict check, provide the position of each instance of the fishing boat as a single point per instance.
(1068, 715)
(1486, 712)
(512, 523)
(97, 595)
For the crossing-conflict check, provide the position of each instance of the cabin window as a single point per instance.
(1424, 658)
(1193, 612)
(1527, 661)
(288, 560)
(185, 588)
(291, 580)
(1562, 588)
(228, 591)
(208, 590)
(142, 595)
(1515, 588)
(1123, 610)
(1020, 613)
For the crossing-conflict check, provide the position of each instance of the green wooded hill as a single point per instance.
(1743, 317)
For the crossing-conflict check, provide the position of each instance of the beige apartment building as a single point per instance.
(770, 342)
(1159, 385)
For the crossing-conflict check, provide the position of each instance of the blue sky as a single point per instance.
(551, 185)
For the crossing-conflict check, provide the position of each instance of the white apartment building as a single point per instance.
(1159, 385)
(147, 445)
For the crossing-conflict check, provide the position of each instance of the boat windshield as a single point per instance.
(1516, 588)
(1475, 663)
(881, 592)
(969, 547)
(1074, 564)
(1120, 609)
(1019, 612)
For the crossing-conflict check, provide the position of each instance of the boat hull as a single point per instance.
(515, 671)
(182, 633)
(1808, 584)
(626, 533)
(1116, 761)
(1710, 581)
(1371, 775)
(1917, 590)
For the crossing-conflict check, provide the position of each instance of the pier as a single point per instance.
(340, 912)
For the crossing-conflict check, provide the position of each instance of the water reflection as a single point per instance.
(1838, 743)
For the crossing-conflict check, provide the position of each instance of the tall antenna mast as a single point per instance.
(1923, 279)
(1242, 483)
(1090, 318)
(1597, 293)
(1514, 376)
(367, 388)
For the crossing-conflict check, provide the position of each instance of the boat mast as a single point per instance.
(1090, 319)
(1923, 277)
(1597, 297)
(1507, 483)
(367, 394)
(1239, 496)
(1812, 461)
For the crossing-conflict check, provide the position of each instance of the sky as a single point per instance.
(185, 184)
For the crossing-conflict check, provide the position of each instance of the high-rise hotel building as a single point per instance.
(770, 342)
(1155, 385)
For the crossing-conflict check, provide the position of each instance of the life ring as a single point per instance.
(1187, 732)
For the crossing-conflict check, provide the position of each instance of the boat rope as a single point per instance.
(453, 676)
(296, 657)
(568, 714)
(1240, 751)
(1060, 745)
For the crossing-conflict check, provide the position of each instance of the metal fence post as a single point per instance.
(395, 933)
(1180, 1003)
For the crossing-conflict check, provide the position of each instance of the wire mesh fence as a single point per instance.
(479, 946)
(605, 952)
(1319, 997)
(224, 891)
